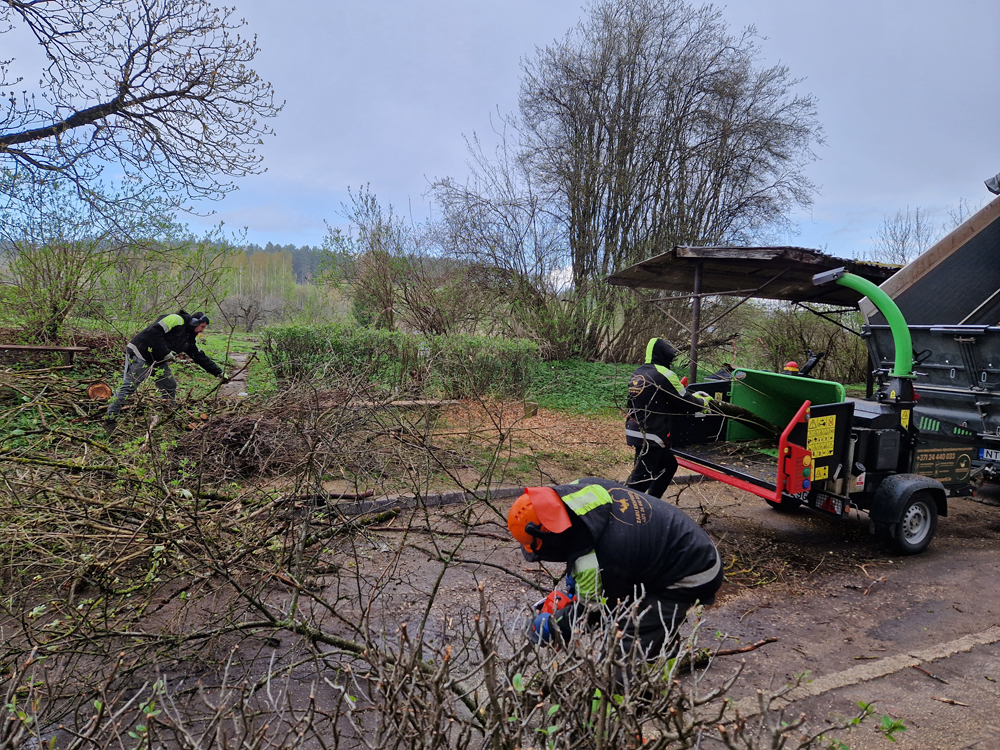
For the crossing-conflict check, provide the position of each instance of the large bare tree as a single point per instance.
(651, 125)
(500, 225)
(163, 88)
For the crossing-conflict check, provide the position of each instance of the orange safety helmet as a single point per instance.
(791, 367)
(542, 507)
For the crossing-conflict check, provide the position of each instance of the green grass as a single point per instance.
(217, 344)
(856, 390)
(583, 387)
(588, 387)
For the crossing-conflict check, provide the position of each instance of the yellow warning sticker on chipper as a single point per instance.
(820, 436)
(822, 472)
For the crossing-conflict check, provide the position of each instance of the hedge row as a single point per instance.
(431, 366)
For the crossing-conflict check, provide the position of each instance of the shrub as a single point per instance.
(459, 366)
(785, 332)
(454, 366)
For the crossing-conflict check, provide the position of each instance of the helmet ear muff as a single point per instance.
(536, 532)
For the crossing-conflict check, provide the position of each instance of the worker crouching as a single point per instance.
(621, 547)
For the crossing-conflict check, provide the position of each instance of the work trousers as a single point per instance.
(660, 617)
(654, 468)
(136, 371)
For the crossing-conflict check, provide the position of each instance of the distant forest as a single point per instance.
(305, 259)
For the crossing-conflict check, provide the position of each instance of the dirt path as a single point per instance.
(237, 387)
(857, 619)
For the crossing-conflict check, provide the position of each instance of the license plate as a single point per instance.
(987, 454)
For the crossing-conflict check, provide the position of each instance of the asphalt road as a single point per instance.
(875, 630)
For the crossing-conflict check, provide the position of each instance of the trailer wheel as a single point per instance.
(916, 525)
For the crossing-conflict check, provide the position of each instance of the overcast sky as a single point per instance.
(383, 91)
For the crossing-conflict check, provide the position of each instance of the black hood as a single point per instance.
(660, 352)
(580, 538)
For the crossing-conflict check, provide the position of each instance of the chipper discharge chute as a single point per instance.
(950, 297)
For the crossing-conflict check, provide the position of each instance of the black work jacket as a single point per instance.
(654, 394)
(641, 544)
(172, 333)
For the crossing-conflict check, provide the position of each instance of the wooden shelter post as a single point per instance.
(695, 325)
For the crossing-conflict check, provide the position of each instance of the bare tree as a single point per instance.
(501, 226)
(398, 274)
(960, 213)
(903, 236)
(650, 125)
(163, 88)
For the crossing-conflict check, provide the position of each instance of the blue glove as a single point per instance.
(541, 629)
(570, 585)
(545, 624)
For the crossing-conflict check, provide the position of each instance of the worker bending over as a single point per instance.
(151, 350)
(620, 546)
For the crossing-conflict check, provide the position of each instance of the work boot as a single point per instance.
(110, 425)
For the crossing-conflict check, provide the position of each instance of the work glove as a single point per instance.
(542, 628)
(704, 398)
(225, 377)
(171, 356)
(556, 611)
(545, 624)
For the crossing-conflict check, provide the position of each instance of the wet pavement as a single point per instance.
(918, 636)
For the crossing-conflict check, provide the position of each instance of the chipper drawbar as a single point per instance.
(833, 453)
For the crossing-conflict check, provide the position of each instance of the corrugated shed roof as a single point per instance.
(782, 273)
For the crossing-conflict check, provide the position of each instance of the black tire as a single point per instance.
(915, 527)
(786, 505)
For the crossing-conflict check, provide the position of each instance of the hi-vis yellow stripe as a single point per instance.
(672, 377)
(585, 500)
(587, 576)
(171, 321)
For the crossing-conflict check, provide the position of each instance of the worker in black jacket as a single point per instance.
(654, 394)
(620, 546)
(151, 350)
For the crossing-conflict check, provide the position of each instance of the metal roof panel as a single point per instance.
(781, 273)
